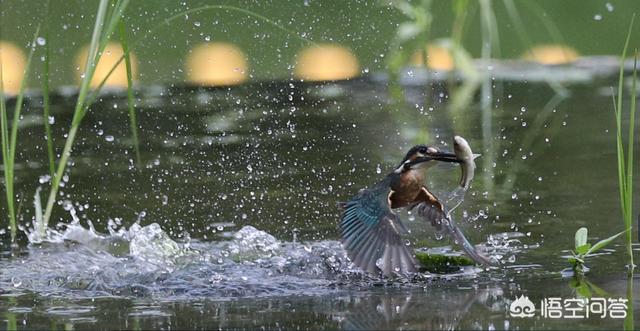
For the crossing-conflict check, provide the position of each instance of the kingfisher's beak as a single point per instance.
(437, 156)
(444, 157)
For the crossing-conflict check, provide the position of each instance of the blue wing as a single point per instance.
(370, 231)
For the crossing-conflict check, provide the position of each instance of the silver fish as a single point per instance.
(463, 152)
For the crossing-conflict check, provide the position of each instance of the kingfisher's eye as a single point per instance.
(422, 150)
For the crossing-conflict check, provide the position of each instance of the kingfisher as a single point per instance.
(371, 231)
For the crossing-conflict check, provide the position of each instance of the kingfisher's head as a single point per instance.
(422, 157)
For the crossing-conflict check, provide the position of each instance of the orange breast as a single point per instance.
(406, 189)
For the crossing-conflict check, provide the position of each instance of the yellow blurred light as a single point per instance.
(216, 64)
(326, 62)
(551, 54)
(112, 53)
(438, 58)
(13, 65)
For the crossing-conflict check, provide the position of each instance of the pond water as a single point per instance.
(231, 219)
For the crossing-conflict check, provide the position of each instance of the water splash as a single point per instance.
(143, 261)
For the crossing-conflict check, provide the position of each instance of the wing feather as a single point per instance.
(370, 230)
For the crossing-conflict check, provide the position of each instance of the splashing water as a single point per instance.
(145, 261)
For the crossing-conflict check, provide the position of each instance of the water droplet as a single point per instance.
(109, 138)
(597, 17)
(17, 282)
(41, 41)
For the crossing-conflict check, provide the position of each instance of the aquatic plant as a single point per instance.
(105, 24)
(410, 36)
(108, 17)
(10, 138)
(130, 101)
(100, 37)
(442, 263)
(46, 106)
(583, 249)
(625, 172)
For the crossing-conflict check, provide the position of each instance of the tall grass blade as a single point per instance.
(10, 139)
(625, 172)
(99, 39)
(130, 100)
(4, 135)
(620, 157)
(630, 162)
(78, 111)
(463, 9)
(629, 320)
(46, 107)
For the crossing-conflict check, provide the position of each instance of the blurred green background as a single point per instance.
(591, 27)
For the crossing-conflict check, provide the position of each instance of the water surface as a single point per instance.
(231, 221)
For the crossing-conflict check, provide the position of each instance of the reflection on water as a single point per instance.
(172, 246)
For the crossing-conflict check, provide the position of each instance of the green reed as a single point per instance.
(105, 24)
(130, 100)
(46, 106)
(625, 172)
(10, 138)
(108, 17)
(85, 99)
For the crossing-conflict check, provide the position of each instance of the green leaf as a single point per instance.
(581, 237)
(582, 250)
(604, 242)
